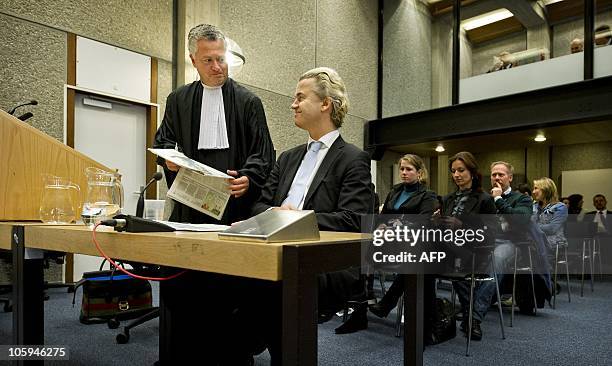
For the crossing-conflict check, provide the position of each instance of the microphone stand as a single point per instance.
(140, 204)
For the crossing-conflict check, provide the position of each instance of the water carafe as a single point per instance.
(104, 197)
(60, 200)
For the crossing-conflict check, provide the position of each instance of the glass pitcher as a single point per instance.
(104, 197)
(60, 200)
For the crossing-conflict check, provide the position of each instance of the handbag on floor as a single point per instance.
(112, 295)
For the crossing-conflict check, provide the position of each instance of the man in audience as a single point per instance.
(576, 45)
(514, 210)
(329, 176)
(601, 216)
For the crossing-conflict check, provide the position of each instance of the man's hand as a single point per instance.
(237, 186)
(497, 190)
(172, 167)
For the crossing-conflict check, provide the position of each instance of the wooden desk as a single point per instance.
(295, 263)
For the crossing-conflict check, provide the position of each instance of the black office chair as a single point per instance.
(5, 289)
(473, 276)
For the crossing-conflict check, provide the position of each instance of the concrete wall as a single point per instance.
(281, 42)
(442, 57)
(407, 57)
(33, 66)
(139, 25)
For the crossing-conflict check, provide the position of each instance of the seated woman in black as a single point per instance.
(460, 210)
(409, 197)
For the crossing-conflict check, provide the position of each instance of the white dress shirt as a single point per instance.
(327, 141)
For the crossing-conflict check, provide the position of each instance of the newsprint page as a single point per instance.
(197, 185)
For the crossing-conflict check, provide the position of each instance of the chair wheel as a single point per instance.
(122, 338)
(113, 323)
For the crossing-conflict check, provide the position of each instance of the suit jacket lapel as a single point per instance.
(287, 177)
(334, 152)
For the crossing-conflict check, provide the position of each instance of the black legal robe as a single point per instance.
(250, 151)
(200, 303)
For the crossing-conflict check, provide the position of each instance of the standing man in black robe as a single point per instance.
(220, 123)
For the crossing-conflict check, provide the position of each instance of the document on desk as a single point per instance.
(197, 185)
(180, 226)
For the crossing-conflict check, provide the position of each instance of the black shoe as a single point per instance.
(357, 321)
(324, 317)
(558, 289)
(380, 310)
(476, 331)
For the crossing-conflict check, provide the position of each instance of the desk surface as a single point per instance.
(198, 251)
(6, 228)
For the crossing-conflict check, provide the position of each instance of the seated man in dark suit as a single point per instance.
(327, 175)
(601, 216)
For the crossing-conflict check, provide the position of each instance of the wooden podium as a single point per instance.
(25, 155)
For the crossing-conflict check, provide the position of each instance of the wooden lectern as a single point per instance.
(25, 155)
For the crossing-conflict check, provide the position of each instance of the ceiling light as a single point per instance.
(234, 56)
(540, 138)
(440, 148)
(486, 18)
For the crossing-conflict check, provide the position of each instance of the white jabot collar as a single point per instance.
(213, 129)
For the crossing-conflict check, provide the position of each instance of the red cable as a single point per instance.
(93, 235)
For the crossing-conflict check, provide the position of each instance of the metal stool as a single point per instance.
(597, 253)
(521, 245)
(557, 262)
(584, 232)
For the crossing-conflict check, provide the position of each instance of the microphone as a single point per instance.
(32, 102)
(140, 205)
(25, 116)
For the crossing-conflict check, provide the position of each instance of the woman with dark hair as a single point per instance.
(410, 197)
(459, 210)
(574, 209)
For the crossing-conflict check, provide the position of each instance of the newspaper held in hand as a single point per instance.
(198, 186)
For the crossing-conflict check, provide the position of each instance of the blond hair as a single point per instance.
(548, 188)
(418, 164)
(328, 84)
